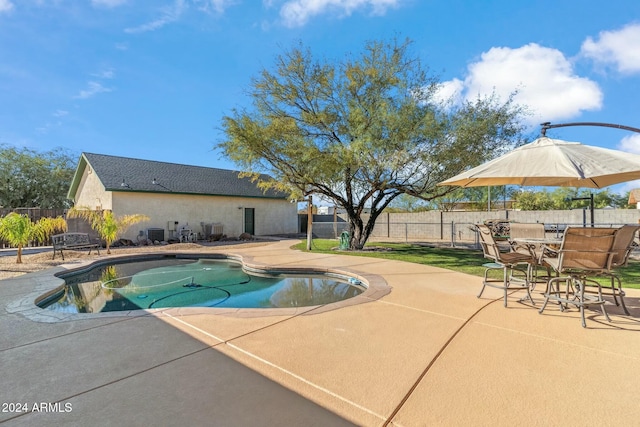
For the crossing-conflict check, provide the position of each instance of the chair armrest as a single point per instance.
(561, 252)
(548, 252)
(521, 247)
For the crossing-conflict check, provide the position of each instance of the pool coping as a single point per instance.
(429, 353)
(49, 282)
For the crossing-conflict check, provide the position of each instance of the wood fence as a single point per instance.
(34, 214)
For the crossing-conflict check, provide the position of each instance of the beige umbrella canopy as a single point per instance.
(553, 163)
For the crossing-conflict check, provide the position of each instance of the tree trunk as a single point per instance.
(19, 259)
(356, 237)
(359, 233)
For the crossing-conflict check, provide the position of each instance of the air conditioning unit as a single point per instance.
(211, 229)
(216, 228)
(154, 234)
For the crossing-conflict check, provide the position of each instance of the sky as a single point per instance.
(152, 79)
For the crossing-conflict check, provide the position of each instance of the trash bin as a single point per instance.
(344, 240)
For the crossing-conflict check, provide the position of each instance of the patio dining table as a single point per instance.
(538, 241)
(535, 246)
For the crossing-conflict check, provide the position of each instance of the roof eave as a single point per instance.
(121, 190)
(77, 177)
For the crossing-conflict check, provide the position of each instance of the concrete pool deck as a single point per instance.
(427, 353)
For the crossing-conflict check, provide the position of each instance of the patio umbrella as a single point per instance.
(553, 163)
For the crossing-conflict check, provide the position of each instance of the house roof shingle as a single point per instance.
(139, 175)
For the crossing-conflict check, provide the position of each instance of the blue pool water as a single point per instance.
(175, 282)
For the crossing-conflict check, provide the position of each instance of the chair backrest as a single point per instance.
(523, 230)
(586, 249)
(526, 230)
(489, 246)
(623, 244)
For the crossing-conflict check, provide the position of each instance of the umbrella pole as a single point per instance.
(548, 125)
(591, 206)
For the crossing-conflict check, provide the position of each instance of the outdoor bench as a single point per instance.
(72, 241)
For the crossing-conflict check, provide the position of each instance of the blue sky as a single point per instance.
(152, 79)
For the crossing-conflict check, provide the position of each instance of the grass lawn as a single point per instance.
(463, 260)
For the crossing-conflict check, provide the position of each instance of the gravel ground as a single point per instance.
(39, 261)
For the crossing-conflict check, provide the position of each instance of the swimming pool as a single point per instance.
(170, 281)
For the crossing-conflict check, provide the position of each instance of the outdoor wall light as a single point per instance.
(155, 182)
(300, 200)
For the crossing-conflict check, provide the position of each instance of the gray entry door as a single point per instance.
(249, 221)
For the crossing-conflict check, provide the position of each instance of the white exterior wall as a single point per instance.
(272, 216)
(91, 193)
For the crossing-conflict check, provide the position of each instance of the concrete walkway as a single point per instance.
(426, 353)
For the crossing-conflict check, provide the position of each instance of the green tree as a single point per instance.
(449, 201)
(32, 179)
(562, 198)
(108, 226)
(477, 196)
(606, 198)
(406, 203)
(362, 131)
(18, 230)
(533, 201)
(622, 201)
(570, 198)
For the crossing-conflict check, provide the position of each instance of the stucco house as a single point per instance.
(178, 198)
(634, 198)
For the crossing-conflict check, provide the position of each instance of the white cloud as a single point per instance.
(543, 77)
(6, 6)
(296, 13)
(93, 88)
(450, 91)
(217, 6)
(108, 3)
(105, 74)
(174, 12)
(630, 144)
(619, 48)
(169, 14)
(60, 113)
(628, 186)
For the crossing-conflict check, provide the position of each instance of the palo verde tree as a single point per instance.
(362, 131)
(108, 226)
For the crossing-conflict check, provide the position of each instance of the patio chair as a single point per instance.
(520, 231)
(623, 244)
(509, 262)
(584, 252)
